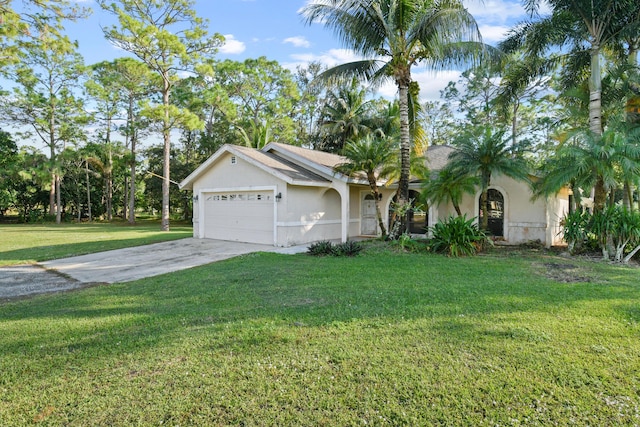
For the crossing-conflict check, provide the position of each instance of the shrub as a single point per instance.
(321, 248)
(325, 247)
(407, 243)
(458, 236)
(574, 230)
(348, 248)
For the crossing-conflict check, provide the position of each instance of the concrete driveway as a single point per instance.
(123, 265)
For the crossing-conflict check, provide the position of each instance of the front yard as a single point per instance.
(509, 338)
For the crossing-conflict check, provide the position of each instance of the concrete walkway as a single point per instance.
(123, 265)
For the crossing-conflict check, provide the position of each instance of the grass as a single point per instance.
(29, 243)
(380, 339)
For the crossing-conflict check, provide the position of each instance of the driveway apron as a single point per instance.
(123, 265)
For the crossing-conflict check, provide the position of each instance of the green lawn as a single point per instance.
(29, 243)
(380, 339)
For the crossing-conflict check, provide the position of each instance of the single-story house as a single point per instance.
(285, 195)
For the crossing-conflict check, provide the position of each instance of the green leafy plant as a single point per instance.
(407, 243)
(321, 248)
(574, 230)
(458, 236)
(348, 248)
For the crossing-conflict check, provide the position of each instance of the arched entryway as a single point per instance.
(495, 212)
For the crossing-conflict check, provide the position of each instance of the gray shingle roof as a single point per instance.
(438, 156)
(277, 163)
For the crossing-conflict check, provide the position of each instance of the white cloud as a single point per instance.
(330, 58)
(496, 11)
(431, 82)
(232, 46)
(492, 34)
(297, 41)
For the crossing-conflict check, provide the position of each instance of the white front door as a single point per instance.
(369, 222)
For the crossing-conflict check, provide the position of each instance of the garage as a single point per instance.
(244, 216)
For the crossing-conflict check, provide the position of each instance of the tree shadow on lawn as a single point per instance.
(67, 250)
(294, 291)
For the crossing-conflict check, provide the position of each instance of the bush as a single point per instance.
(321, 248)
(407, 243)
(348, 248)
(458, 236)
(574, 230)
(325, 247)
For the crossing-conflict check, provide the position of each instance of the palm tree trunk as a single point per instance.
(376, 197)
(405, 149)
(595, 92)
(484, 220)
(599, 195)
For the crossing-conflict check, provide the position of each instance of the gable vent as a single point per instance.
(234, 160)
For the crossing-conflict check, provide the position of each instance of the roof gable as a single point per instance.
(286, 169)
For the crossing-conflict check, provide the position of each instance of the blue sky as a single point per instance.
(274, 28)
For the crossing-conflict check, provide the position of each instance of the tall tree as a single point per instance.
(103, 87)
(265, 95)
(395, 35)
(169, 37)
(344, 115)
(582, 28)
(586, 159)
(34, 18)
(312, 98)
(44, 100)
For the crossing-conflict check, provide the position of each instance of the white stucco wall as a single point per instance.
(524, 219)
(226, 176)
(308, 214)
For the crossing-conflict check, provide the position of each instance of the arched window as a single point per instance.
(495, 212)
(418, 216)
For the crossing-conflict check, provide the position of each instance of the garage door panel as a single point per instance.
(240, 216)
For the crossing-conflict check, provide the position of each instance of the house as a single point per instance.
(285, 195)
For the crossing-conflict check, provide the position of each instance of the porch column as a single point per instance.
(344, 211)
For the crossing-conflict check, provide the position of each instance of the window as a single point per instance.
(234, 160)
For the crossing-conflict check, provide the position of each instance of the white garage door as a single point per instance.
(243, 216)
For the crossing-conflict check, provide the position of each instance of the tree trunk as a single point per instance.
(457, 208)
(376, 197)
(109, 174)
(405, 150)
(52, 195)
(599, 195)
(166, 168)
(484, 219)
(86, 170)
(595, 92)
(58, 200)
(132, 178)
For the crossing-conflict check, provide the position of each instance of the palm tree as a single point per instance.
(587, 27)
(372, 156)
(484, 156)
(259, 137)
(592, 161)
(449, 186)
(345, 113)
(395, 35)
